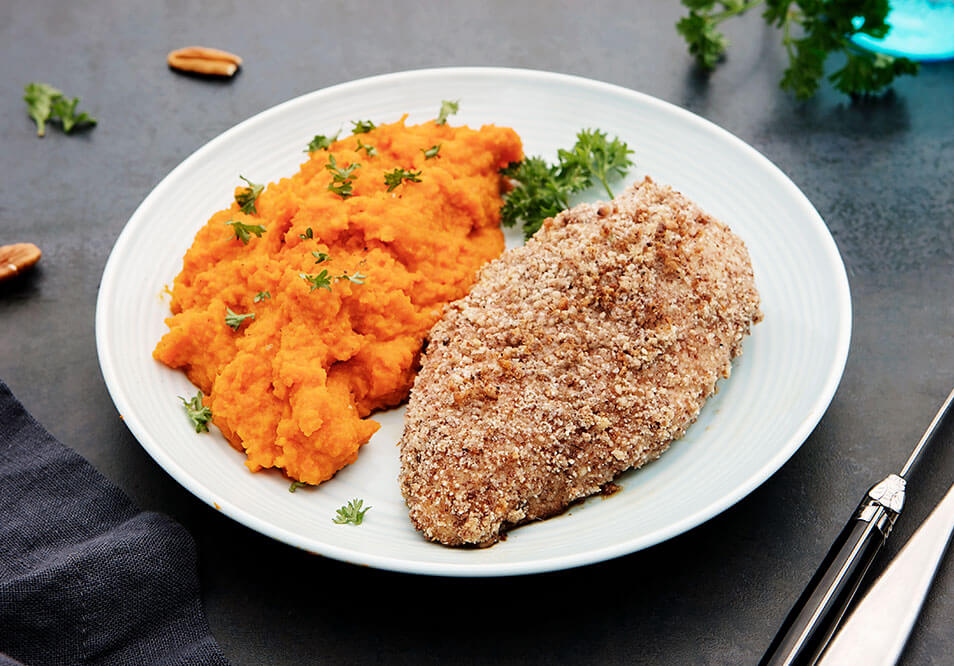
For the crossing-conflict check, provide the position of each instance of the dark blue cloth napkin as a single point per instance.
(85, 576)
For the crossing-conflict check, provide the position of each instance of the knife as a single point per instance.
(816, 615)
(878, 627)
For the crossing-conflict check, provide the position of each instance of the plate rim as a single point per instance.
(840, 292)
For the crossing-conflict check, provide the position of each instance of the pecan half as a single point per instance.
(14, 259)
(203, 60)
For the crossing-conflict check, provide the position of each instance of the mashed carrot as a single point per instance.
(293, 386)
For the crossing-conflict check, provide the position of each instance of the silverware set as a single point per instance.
(878, 626)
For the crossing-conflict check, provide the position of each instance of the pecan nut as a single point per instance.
(14, 259)
(203, 60)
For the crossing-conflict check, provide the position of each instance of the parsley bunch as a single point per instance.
(811, 31)
(542, 190)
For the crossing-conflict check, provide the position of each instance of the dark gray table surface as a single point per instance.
(880, 173)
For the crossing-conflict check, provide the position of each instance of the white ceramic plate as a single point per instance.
(778, 391)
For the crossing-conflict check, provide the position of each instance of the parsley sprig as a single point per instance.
(261, 296)
(322, 142)
(542, 190)
(351, 513)
(247, 196)
(811, 31)
(341, 179)
(431, 152)
(394, 178)
(324, 280)
(234, 319)
(361, 126)
(199, 414)
(594, 157)
(317, 280)
(371, 151)
(243, 231)
(46, 103)
(295, 485)
(448, 108)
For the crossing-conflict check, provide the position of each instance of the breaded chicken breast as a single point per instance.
(575, 357)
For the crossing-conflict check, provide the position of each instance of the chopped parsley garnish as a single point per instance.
(261, 296)
(235, 319)
(323, 280)
(317, 280)
(308, 234)
(320, 256)
(46, 103)
(243, 231)
(542, 190)
(431, 152)
(247, 196)
(341, 178)
(394, 178)
(351, 513)
(295, 485)
(362, 126)
(357, 278)
(371, 151)
(321, 142)
(199, 414)
(448, 108)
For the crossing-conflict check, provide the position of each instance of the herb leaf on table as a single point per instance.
(46, 103)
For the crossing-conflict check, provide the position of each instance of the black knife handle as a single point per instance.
(812, 621)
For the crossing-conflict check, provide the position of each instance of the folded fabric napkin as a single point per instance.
(85, 576)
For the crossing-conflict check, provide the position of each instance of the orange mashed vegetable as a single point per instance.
(293, 387)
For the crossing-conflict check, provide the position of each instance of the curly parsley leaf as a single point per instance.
(320, 256)
(538, 193)
(431, 152)
(362, 126)
(352, 513)
(448, 108)
(247, 196)
(243, 231)
(706, 43)
(542, 190)
(595, 157)
(394, 178)
(198, 414)
(261, 296)
(46, 103)
(234, 319)
(322, 142)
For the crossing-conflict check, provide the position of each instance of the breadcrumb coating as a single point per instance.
(574, 358)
